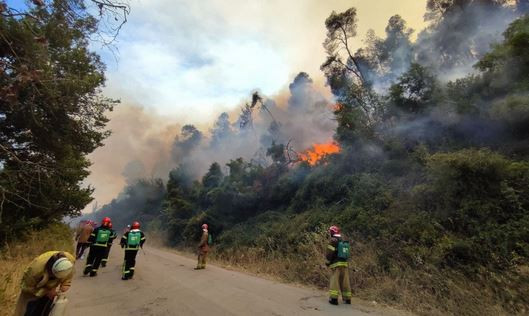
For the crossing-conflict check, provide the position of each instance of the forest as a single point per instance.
(427, 171)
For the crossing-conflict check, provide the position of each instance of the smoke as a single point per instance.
(455, 41)
(144, 145)
(306, 118)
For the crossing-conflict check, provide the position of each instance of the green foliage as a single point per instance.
(414, 90)
(52, 114)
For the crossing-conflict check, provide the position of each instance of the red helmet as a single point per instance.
(204, 226)
(135, 225)
(334, 230)
(106, 221)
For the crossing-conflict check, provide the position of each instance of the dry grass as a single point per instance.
(14, 258)
(424, 291)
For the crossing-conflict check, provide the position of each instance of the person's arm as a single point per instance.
(30, 281)
(331, 250)
(142, 241)
(203, 240)
(67, 283)
(92, 237)
(123, 241)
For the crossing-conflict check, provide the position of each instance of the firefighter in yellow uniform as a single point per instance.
(46, 273)
(338, 254)
(203, 248)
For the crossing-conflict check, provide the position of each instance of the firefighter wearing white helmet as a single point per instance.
(47, 274)
(338, 254)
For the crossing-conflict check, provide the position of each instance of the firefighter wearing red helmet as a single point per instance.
(132, 241)
(99, 240)
(338, 254)
(109, 246)
(203, 248)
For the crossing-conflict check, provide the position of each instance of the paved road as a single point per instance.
(166, 284)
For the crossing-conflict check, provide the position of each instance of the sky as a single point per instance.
(182, 62)
(191, 60)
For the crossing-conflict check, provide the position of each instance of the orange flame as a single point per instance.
(319, 151)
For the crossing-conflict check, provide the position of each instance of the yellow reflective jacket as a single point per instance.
(36, 279)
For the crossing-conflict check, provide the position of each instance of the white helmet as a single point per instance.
(62, 268)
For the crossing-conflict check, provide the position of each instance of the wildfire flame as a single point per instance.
(319, 151)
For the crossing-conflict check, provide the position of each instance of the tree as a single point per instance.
(213, 177)
(344, 75)
(52, 113)
(385, 59)
(414, 91)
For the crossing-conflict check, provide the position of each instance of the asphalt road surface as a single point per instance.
(166, 284)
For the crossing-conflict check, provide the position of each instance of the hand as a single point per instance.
(52, 293)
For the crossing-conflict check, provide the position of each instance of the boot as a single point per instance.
(103, 264)
(347, 301)
(86, 271)
(333, 301)
(93, 273)
(124, 277)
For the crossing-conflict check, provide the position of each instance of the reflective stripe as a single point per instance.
(101, 245)
(104, 260)
(94, 270)
(88, 265)
(331, 247)
(132, 268)
(339, 264)
(143, 238)
(347, 294)
(333, 293)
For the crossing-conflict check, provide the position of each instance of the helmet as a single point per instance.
(204, 226)
(135, 225)
(62, 268)
(105, 221)
(333, 230)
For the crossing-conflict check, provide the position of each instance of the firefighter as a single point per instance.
(98, 246)
(132, 241)
(46, 273)
(113, 236)
(338, 253)
(83, 233)
(203, 248)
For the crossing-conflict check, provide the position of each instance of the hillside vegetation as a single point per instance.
(431, 182)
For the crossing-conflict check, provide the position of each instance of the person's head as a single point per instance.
(135, 225)
(105, 222)
(205, 226)
(59, 266)
(334, 230)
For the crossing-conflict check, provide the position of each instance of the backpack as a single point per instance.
(133, 239)
(210, 239)
(103, 235)
(343, 250)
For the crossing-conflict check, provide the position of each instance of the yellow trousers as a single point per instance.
(339, 282)
(202, 260)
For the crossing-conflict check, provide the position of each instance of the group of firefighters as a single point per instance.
(51, 273)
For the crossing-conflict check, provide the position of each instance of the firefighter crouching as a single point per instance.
(46, 273)
(99, 240)
(338, 254)
(109, 246)
(131, 241)
(203, 248)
